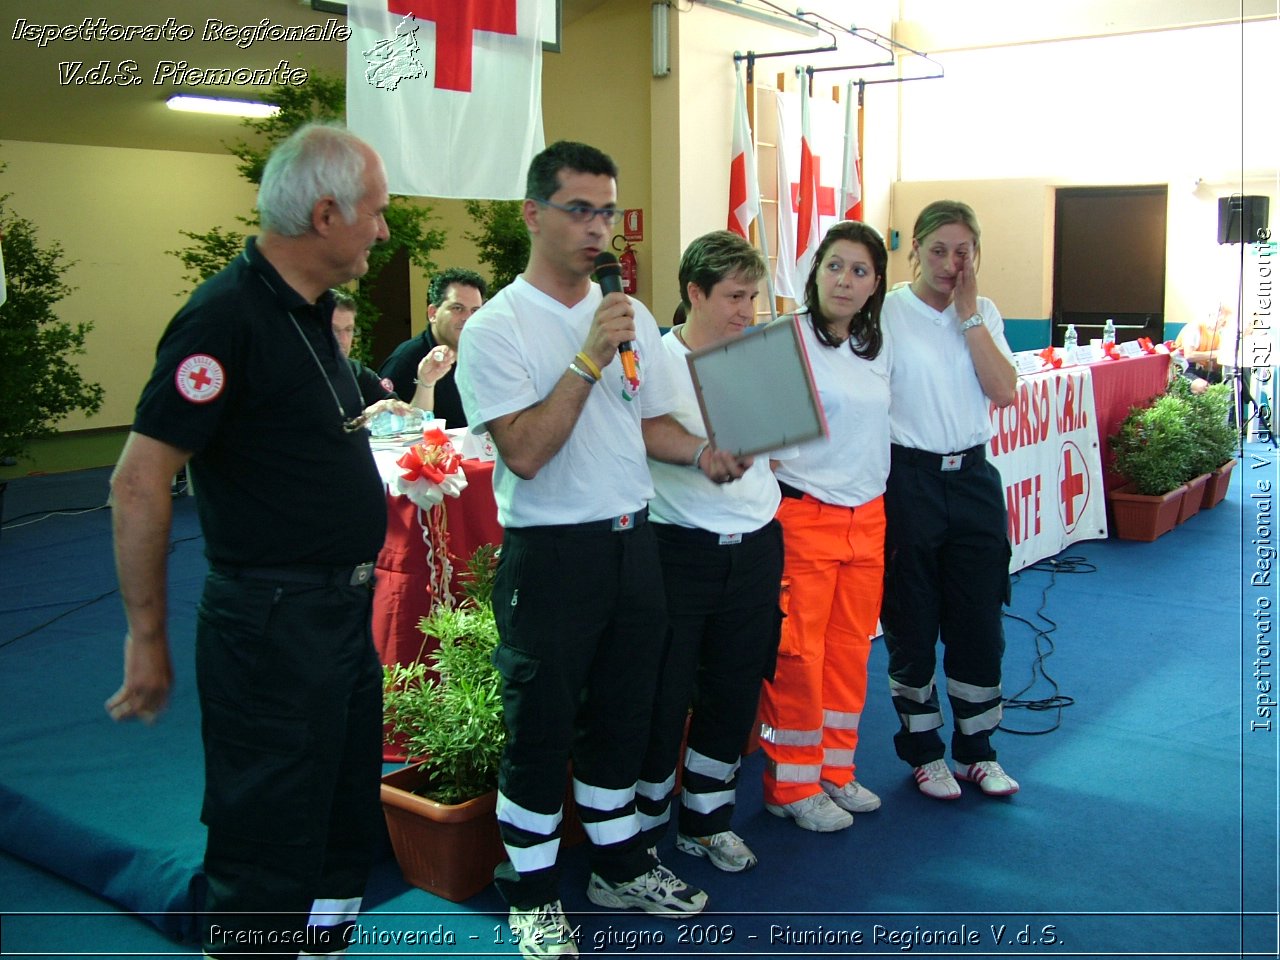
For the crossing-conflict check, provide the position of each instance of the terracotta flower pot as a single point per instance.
(1191, 500)
(446, 849)
(1215, 491)
(1140, 517)
(451, 849)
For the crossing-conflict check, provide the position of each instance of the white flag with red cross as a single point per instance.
(810, 159)
(744, 186)
(449, 92)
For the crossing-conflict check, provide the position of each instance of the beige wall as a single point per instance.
(115, 212)
(1187, 108)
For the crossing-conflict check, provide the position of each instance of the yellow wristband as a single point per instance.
(589, 364)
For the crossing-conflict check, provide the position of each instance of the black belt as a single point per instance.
(789, 491)
(619, 524)
(942, 462)
(361, 573)
(704, 538)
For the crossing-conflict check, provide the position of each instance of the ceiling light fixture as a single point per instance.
(227, 108)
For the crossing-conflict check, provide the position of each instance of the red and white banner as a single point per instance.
(1045, 446)
(851, 169)
(808, 180)
(744, 186)
(430, 83)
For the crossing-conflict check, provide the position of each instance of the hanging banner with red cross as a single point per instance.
(1046, 447)
(810, 165)
(449, 92)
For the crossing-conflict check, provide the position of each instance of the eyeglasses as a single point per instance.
(581, 213)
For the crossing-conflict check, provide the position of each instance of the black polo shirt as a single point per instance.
(249, 377)
(401, 368)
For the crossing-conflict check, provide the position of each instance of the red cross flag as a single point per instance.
(810, 152)
(851, 180)
(449, 92)
(744, 186)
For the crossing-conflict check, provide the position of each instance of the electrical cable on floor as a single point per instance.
(46, 514)
(86, 603)
(1044, 646)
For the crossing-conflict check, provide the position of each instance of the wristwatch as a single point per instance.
(974, 321)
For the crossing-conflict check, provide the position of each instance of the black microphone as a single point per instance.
(609, 276)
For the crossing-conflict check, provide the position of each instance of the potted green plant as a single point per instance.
(446, 709)
(40, 383)
(1214, 438)
(1152, 450)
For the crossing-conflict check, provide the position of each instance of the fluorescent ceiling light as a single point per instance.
(225, 108)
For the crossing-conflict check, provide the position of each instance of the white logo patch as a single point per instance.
(200, 378)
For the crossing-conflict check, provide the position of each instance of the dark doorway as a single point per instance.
(1109, 261)
(391, 295)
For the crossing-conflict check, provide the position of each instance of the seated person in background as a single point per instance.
(1203, 343)
(376, 393)
(454, 295)
(372, 388)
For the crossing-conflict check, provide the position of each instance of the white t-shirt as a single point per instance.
(938, 403)
(511, 354)
(684, 496)
(849, 466)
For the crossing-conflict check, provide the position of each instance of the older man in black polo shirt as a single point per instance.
(251, 388)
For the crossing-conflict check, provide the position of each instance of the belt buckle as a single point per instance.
(362, 574)
(952, 461)
(624, 522)
(727, 539)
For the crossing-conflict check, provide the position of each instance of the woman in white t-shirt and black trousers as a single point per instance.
(946, 539)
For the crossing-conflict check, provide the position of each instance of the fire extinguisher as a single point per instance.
(630, 270)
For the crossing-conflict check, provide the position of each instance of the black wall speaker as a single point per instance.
(1240, 218)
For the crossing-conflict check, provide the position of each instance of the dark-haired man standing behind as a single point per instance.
(454, 295)
(578, 596)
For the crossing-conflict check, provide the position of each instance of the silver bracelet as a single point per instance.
(697, 457)
(583, 374)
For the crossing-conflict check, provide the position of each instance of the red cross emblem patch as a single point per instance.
(200, 378)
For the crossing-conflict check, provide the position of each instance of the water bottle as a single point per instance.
(1109, 332)
(1070, 339)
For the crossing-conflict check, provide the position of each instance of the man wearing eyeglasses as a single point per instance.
(579, 596)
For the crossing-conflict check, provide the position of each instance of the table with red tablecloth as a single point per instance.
(1119, 385)
(402, 596)
(1050, 447)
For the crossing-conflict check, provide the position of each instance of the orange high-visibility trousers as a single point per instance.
(832, 585)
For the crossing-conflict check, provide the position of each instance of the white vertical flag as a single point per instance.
(851, 179)
(744, 187)
(784, 278)
(425, 78)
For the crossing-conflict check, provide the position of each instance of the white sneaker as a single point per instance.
(725, 850)
(990, 778)
(659, 892)
(542, 932)
(816, 813)
(936, 780)
(853, 796)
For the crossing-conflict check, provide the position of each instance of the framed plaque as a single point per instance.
(756, 390)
